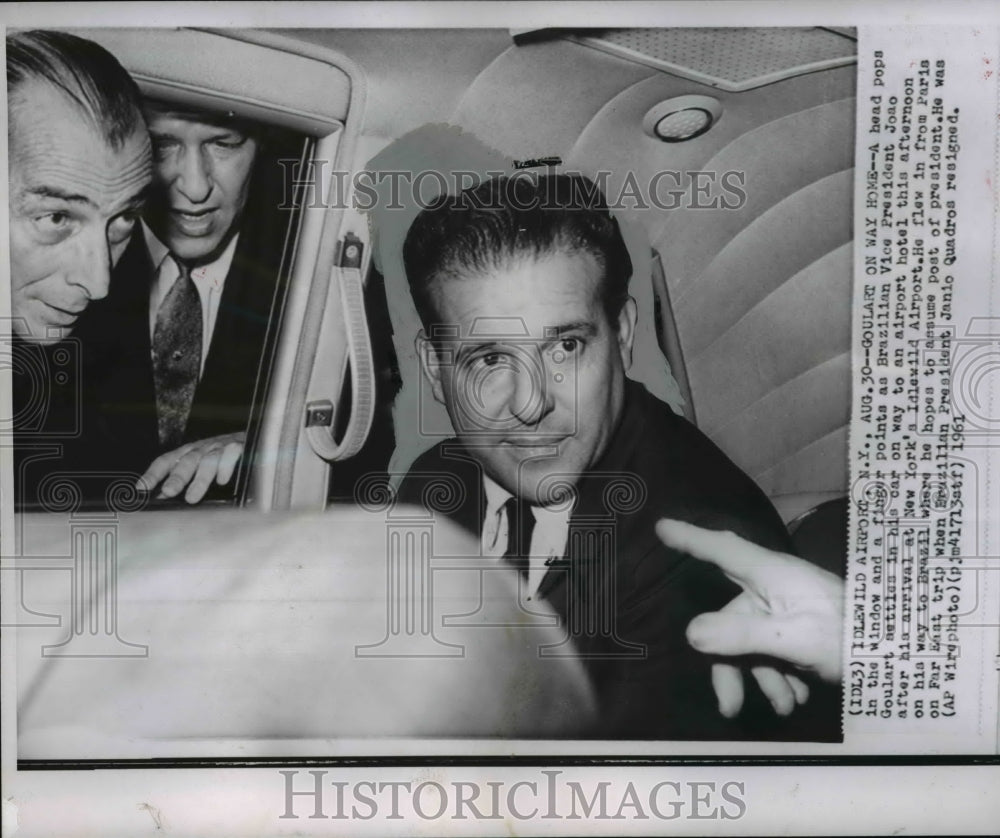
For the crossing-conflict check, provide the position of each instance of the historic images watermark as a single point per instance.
(46, 373)
(667, 189)
(315, 794)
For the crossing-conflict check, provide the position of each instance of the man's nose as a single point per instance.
(92, 271)
(193, 178)
(531, 396)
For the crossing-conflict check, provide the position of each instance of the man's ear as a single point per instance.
(626, 331)
(430, 364)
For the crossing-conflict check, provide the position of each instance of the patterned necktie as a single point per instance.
(520, 526)
(176, 357)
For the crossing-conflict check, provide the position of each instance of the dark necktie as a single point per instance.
(520, 525)
(176, 357)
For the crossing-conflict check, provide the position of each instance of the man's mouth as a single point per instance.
(534, 442)
(194, 223)
(59, 316)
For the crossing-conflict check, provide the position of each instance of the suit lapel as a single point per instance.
(225, 393)
(471, 511)
(592, 511)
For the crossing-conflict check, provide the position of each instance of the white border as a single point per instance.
(218, 802)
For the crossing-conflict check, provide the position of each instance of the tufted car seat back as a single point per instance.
(760, 301)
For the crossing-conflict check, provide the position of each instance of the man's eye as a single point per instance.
(121, 227)
(570, 345)
(52, 225)
(163, 146)
(491, 359)
(229, 144)
(55, 219)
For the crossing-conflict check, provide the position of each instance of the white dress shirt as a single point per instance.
(548, 539)
(208, 279)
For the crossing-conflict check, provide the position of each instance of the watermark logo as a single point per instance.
(667, 189)
(83, 582)
(82, 579)
(499, 378)
(550, 795)
(46, 384)
(421, 623)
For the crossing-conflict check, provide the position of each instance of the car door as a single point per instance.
(246, 73)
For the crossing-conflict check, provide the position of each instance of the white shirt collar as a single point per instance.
(212, 272)
(548, 542)
(157, 250)
(497, 496)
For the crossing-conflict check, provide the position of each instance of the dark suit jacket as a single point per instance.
(110, 411)
(118, 366)
(650, 683)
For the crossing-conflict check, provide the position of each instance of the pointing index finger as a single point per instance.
(743, 560)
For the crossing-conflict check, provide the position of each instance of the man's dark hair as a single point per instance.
(488, 226)
(87, 74)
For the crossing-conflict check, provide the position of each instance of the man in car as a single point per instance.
(566, 465)
(174, 351)
(79, 166)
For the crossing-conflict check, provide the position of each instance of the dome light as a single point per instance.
(682, 118)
